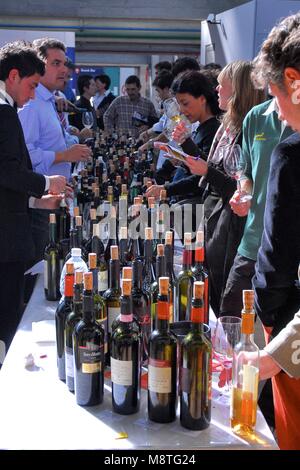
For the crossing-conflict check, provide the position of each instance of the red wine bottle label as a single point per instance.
(121, 372)
(91, 358)
(159, 376)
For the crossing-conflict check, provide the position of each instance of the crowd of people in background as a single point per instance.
(247, 243)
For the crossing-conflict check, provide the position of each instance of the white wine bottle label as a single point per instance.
(69, 362)
(102, 281)
(91, 358)
(113, 313)
(159, 378)
(45, 274)
(121, 372)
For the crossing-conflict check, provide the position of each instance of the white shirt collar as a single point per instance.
(4, 93)
(271, 108)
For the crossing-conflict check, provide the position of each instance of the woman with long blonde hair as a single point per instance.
(224, 229)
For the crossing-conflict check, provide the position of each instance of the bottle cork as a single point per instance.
(198, 290)
(78, 277)
(78, 220)
(136, 201)
(52, 219)
(127, 272)
(126, 286)
(124, 188)
(160, 249)
(109, 189)
(123, 233)
(93, 214)
(114, 252)
(69, 267)
(248, 299)
(163, 194)
(92, 260)
(76, 211)
(169, 238)
(163, 285)
(187, 238)
(88, 281)
(118, 179)
(200, 237)
(148, 233)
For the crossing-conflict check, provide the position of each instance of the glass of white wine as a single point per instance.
(174, 117)
(235, 167)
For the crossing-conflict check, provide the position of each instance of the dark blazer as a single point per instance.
(277, 298)
(17, 183)
(103, 106)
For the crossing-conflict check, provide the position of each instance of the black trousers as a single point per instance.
(11, 300)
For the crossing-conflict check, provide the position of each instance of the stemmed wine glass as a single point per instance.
(88, 119)
(235, 167)
(174, 115)
(227, 335)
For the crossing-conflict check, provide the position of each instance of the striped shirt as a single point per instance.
(122, 111)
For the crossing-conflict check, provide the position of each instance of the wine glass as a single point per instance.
(88, 119)
(235, 166)
(174, 117)
(227, 335)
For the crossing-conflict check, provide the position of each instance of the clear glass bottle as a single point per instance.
(245, 372)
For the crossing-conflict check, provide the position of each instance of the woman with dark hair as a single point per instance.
(198, 102)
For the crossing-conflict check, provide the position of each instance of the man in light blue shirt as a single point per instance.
(44, 134)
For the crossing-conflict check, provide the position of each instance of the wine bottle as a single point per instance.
(98, 248)
(162, 363)
(126, 274)
(141, 306)
(199, 273)
(123, 247)
(148, 270)
(245, 373)
(51, 263)
(88, 349)
(64, 308)
(99, 303)
(93, 222)
(195, 368)
(112, 295)
(185, 282)
(160, 272)
(169, 256)
(125, 359)
(72, 319)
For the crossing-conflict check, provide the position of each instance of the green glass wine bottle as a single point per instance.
(195, 368)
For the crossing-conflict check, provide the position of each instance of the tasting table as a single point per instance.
(38, 412)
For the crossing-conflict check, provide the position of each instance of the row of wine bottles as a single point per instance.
(171, 366)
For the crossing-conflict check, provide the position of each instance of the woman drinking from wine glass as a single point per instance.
(223, 229)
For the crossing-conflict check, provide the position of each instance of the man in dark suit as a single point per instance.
(103, 97)
(87, 89)
(20, 72)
